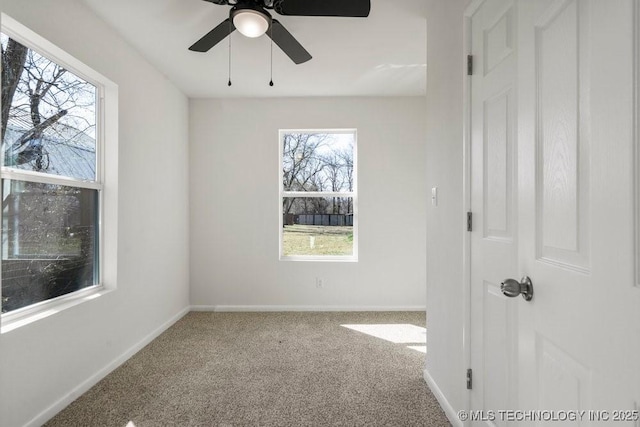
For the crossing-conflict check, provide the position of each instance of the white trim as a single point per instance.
(327, 130)
(43, 309)
(301, 308)
(451, 414)
(320, 258)
(83, 387)
(106, 178)
(473, 7)
(310, 194)
(44, 178)
(353, 195)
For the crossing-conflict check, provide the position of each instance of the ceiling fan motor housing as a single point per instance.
(249, 6)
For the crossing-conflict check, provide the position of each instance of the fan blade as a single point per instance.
(214, 36)
(352, 8)
(287, 43)
(220, 2)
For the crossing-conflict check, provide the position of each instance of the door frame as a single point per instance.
(471, 9)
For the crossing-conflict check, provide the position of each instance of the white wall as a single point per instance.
(445, 230)
(45, 361)
(234, 212)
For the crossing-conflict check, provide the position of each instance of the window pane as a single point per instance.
(317, 162)
(317, 226)
(50, 124)
(49, 241)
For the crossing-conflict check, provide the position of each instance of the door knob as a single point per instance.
(513, 288)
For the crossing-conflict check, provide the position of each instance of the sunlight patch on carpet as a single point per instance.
(420, 348)
(396, 333)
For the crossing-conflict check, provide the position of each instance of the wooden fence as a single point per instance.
(318, 219)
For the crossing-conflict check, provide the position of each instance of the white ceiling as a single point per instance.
(382, 55)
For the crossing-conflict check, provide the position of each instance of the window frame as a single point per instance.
(319, 194)
(106, 136)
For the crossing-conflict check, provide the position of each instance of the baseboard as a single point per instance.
(58, 406)
(265, 308)
(442, 400)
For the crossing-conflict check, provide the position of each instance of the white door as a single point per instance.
(494, 240)
(576, 344)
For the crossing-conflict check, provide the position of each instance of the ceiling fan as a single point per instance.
(250, 18)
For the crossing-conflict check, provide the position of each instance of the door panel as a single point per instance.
(563, 158)
(498, 170)
(564, 381)
(498, 40)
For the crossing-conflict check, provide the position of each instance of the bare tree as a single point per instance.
(14, 56)
(311, 163)
(39, 95)
(346, 157)
(335, 178)
(302, 164)
(338, 173)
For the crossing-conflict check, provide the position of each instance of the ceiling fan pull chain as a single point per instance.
(271, 29)
(230, 30)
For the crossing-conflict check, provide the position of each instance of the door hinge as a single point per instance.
(469, 379)
(469, 221)
(469, 65)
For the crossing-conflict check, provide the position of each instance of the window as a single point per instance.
(51, 174)
(318, 197)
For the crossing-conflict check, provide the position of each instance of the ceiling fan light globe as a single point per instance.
(250, 23)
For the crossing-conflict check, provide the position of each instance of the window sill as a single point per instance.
(319, 258)
(27, 315)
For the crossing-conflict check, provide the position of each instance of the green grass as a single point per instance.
(317, 240)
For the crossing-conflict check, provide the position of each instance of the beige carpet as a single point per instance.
(268, 369)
